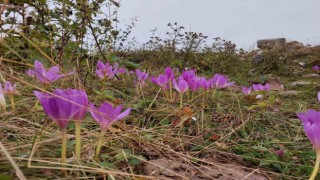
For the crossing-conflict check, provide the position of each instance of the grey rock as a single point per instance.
(271, 43)
(301, 83)
(311, 75)
(290, 93)
(257, 58)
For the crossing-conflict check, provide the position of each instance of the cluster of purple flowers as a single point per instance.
(44, 76)
(109, 71)
(64, 105)
(188, 80)
(255, 87)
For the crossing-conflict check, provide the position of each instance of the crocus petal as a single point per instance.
(162, 80)
(107, 114)
(96, 114)
(181, 85)
(52, 74)
(80, 99)
(169, 73)
(319, 96)
(2, 99)
(9, 88)
(100, 65)
(124, 114)
(311, 125)
(39, 68)
(246, 90)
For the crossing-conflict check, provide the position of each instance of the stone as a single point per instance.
(301, 83)
(290, 93)
(311, 75)
(257, 58)
(265, 44)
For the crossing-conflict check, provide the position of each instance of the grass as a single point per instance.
(233, 135)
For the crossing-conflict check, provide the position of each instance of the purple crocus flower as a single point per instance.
(318, 96)
(221, 81)
(9, 89)
(246, 90)
(62, 105)
(194, 83)
(106, 114)
(141, 76)
(204, 83)
(161, 80)
(82, 102)
(188, 75)
(44, 76)
(260, 87)
(104, 70)
(311, 125)
(181, 86)
(316, 68)
(169, 73)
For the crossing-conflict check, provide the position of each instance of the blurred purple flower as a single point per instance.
(161, 80)
(63, 105)
(104, 70)
(141, 78)
(106, 114)
(318, 96)
(280, 152)
(246, 90)
(181, 86)
(44, 76)
(169, 73)
(221, 81)
(194, 83)
(9, 89)
(204, 83)
(30, 73)
(260, 87)
(188, 75)
(316, 68)
(311, 125)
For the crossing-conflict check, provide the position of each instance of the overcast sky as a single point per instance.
(241, 21)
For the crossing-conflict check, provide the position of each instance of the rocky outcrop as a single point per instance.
(265, 44)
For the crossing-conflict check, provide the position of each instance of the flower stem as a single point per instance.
(64, 146)
(181, 97)
(99, 144)
(13, 105)
(78, 139)
(316, 166)
(170, 89)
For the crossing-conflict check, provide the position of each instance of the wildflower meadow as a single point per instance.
(174, 107)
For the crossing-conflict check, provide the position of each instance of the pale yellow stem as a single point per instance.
(78, 139)
(13, 105)
(99, 145)
(64, 146)
(316, 166)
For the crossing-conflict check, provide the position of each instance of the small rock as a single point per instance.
(310, 75)
(290, 93)
(258, 58)
(302, 64)
(301, 83)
